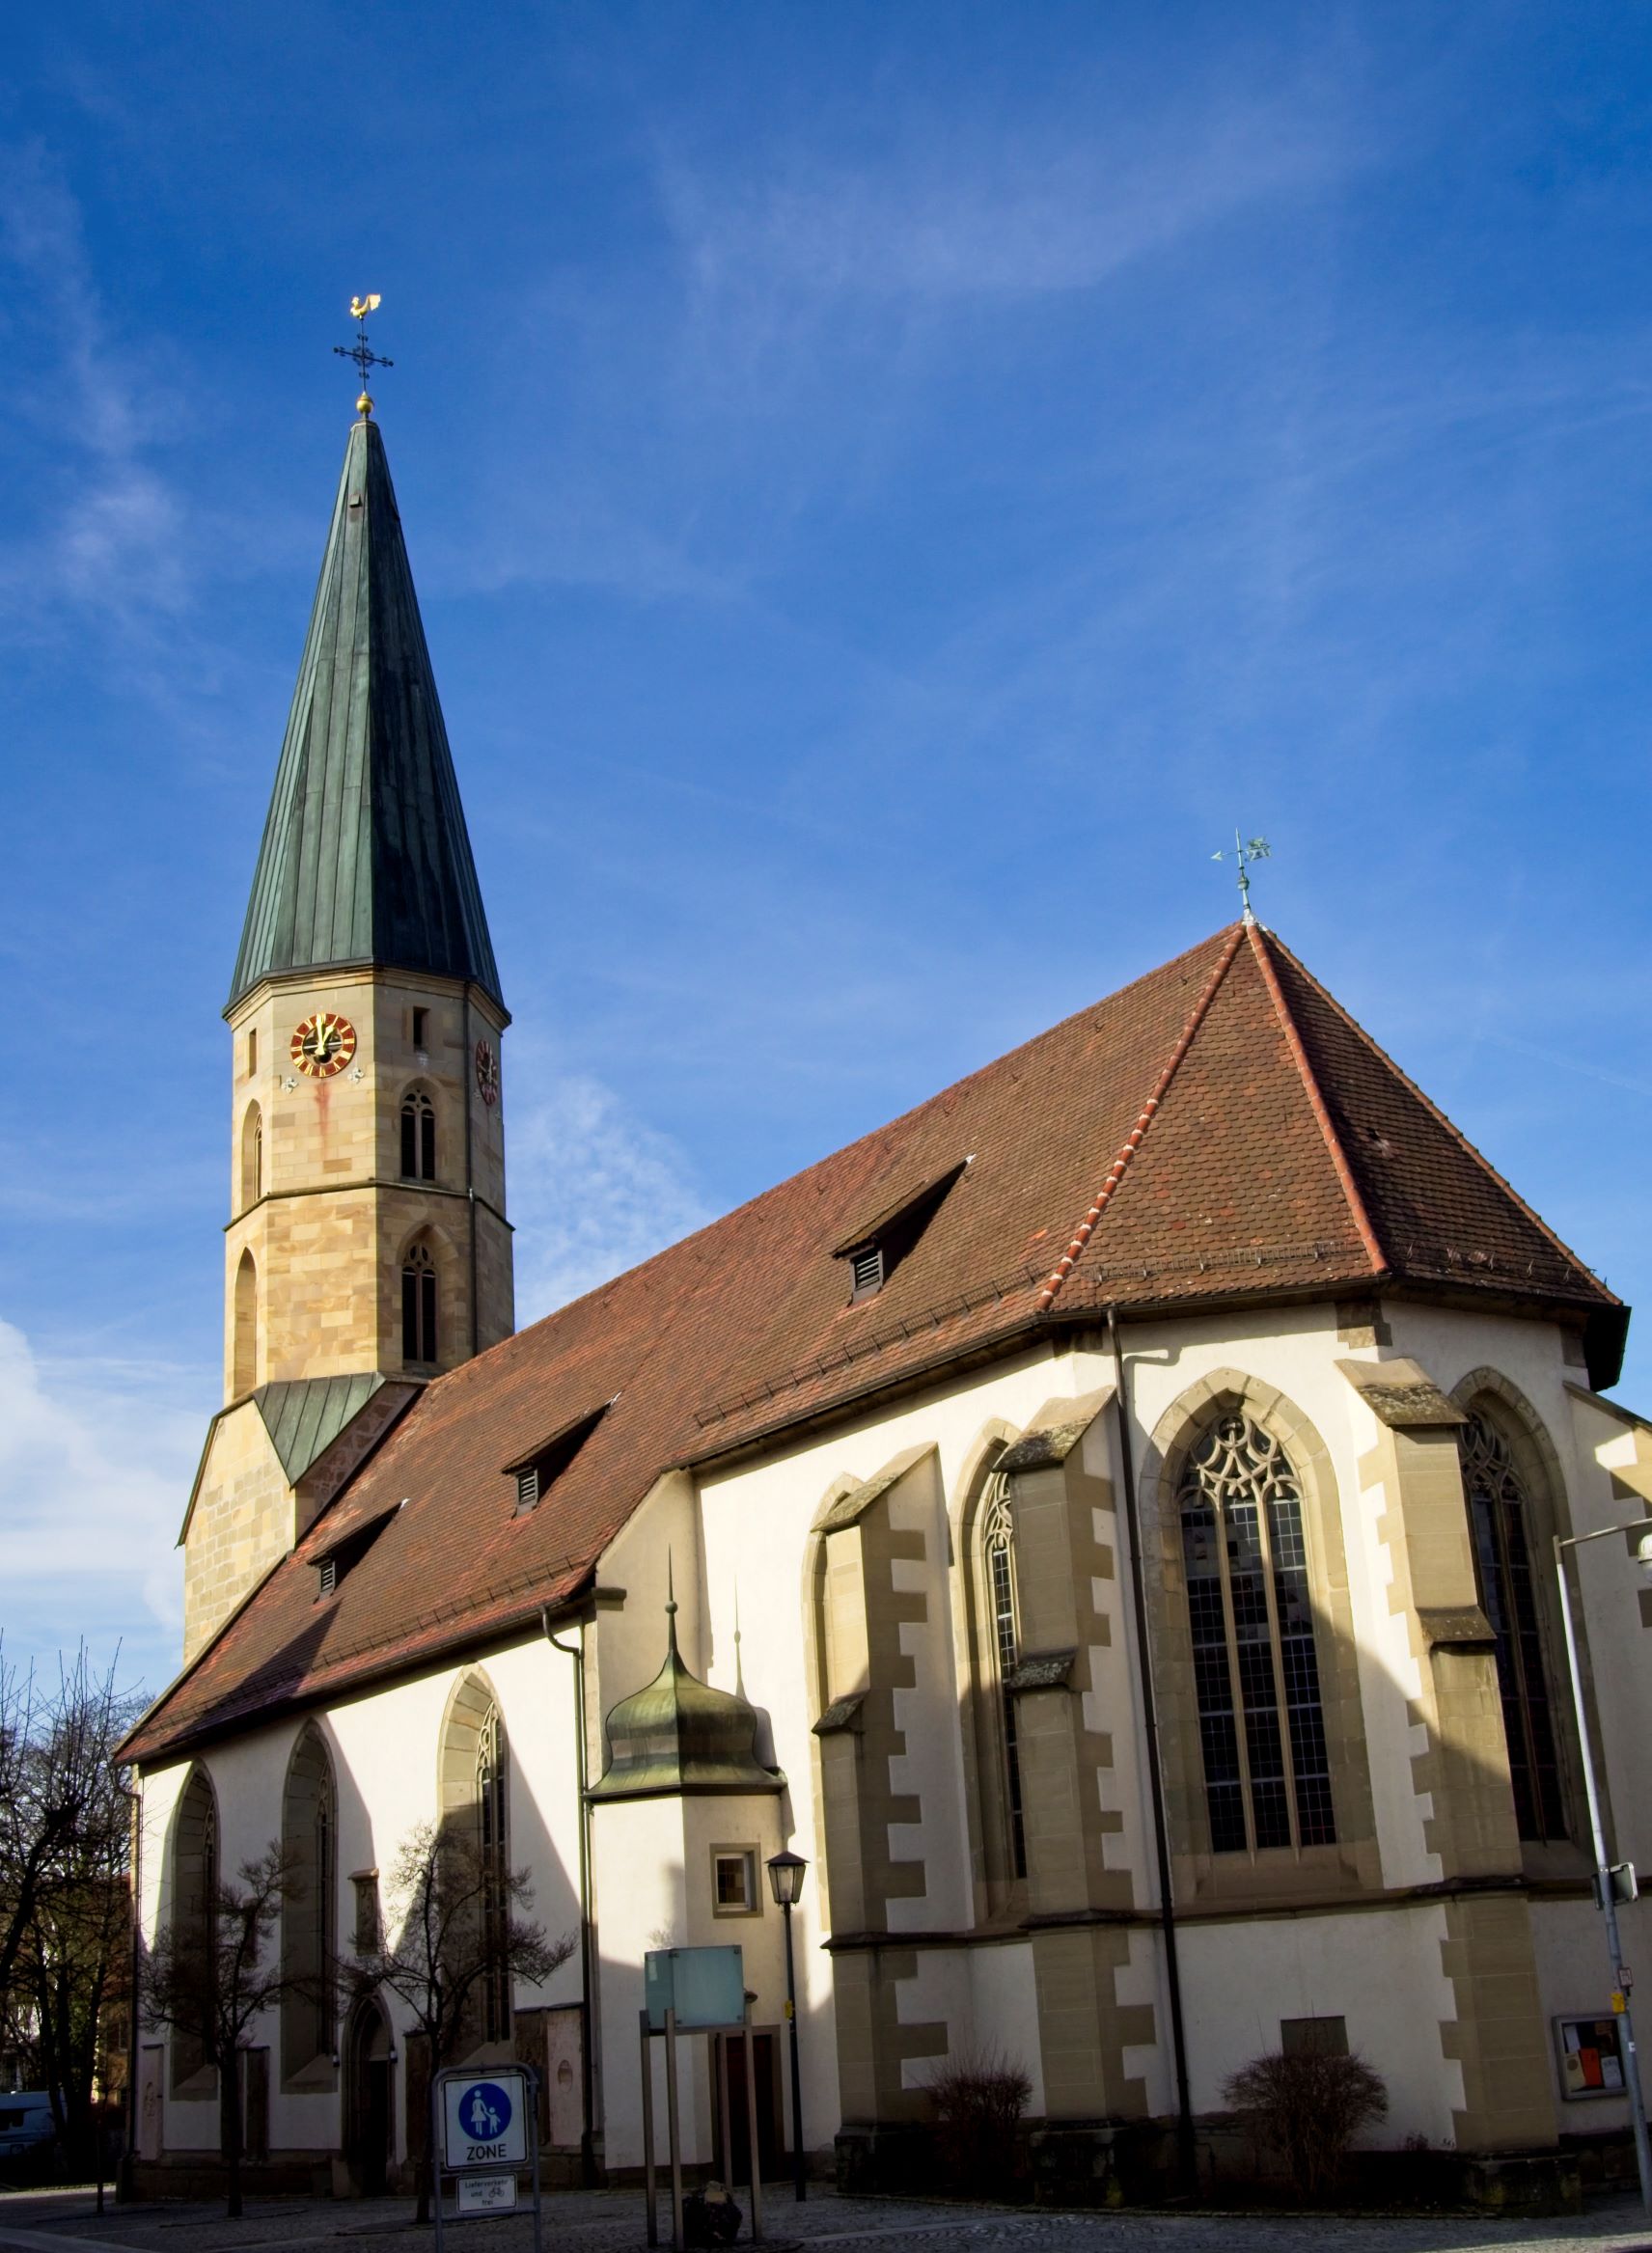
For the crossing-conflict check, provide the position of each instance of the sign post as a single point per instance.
(485, 2127)
(699, 1990)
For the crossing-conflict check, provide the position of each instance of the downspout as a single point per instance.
(587, 2062)
(127, 2187)
(1155, 1767)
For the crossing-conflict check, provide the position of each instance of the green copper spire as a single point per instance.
(364, 856)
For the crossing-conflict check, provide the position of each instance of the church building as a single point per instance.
(1103, 1521)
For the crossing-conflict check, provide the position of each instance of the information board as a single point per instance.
(706, 1986)
(488, 2194)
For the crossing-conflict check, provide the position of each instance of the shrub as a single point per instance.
(1308, 2108)
(979, 2096)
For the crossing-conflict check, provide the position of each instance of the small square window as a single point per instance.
(735, 1882)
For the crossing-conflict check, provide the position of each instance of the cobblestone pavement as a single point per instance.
(64, 2221)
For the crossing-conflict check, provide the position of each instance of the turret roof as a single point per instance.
(365, 857)
(1219, 1134)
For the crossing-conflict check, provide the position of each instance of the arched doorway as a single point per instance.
(369, 2127)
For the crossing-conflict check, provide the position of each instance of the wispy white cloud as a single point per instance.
(96, 1462)
(108, 530)
(593, 1188)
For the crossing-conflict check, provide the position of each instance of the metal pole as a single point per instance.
(436, 2153)
(533, 2131)
(799, 2167)
(757, 2164)
(1604, 1892)
(673, 2132)
(648, 2128)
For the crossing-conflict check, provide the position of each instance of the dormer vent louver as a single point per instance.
(535, 1472)
(880, 1243)
(329, 1572)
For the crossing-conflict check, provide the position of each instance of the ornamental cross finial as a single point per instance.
(360, 308)
(1255, 850)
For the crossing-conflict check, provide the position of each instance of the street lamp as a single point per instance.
(1605, 1881)
(785, 1883)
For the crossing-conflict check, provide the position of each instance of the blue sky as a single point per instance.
(890, 487)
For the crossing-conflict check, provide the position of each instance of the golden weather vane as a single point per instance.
(1255, 850)
(360, 308)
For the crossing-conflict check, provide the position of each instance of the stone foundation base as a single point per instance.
(873, 2158)
(199, 2175)
(1100, 2163)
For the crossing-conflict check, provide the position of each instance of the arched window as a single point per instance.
(419, 1305)
(491, 1837)
(245, 1351)
(1500, 1516)
(418, 1136)
(998, 1562)
(308, 1916)
(1267, 1777)
(194, 1911)
(252, 1157)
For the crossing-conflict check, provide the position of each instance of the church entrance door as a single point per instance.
(369, 2127)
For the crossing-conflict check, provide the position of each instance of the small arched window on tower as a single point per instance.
(493, 1855)
(252, 1157)
(1267, 1774)
(244, 1362)
(419, 1305)
(418, 1136)
(1499, 1515)
(998, 1557)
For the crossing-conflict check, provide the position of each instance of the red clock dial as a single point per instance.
(323, 1044)
(486, 1073)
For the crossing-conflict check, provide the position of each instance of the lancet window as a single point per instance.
(418, 1136)
(1500, 1517)
(1267, 1777)
(308, 1828)
(493, 1851)
(419, 1305)
(999, 1561)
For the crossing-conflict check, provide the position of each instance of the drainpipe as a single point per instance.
(1155, 1767)
(586, 2063)
(127, 2187)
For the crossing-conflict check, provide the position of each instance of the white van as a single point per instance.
(26, 2123)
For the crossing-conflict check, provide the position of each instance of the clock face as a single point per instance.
(323, 1044)
(486, 1073)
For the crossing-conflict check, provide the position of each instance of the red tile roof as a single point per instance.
(1219, 1132)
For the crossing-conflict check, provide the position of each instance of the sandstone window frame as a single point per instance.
(244, 1328)
(194, 1865)
(418, 1141)
(1350, 1865)
(309, 1920)
(748, 1854)
(252, 1156)
(1488, 1394)
(999, 1872)
(473, 1797)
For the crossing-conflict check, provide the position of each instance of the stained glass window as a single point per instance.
(1267, 1770)
(1000, 1592)
(1499, 1516)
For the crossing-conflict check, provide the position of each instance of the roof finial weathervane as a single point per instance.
(360, 308)
(1245, 854)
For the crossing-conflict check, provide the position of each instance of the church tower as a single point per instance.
(368, 1248)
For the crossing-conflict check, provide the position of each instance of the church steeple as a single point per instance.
(365, 858)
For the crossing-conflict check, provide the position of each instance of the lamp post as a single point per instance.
(1605, 1890)
(785, 1883)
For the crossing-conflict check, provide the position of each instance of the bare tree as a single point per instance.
(460, 1927)
(211, 1976)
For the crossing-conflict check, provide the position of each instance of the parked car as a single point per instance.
(26, 2125)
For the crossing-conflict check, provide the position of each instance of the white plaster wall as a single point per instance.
(1002, 2009)
(1574, 1974)
(1379, 1972)
(385, 1750)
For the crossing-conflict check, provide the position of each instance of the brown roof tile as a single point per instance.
(1269, 1150)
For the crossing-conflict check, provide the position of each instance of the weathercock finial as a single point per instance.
(360, 308)
(1245, 854)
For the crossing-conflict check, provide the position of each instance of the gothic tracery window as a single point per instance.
(997, 1559)
(1498, 1522)
(490, 1835)
(418, 1136)
(1267, 1777)
(419, 1305)
(309, 1826)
